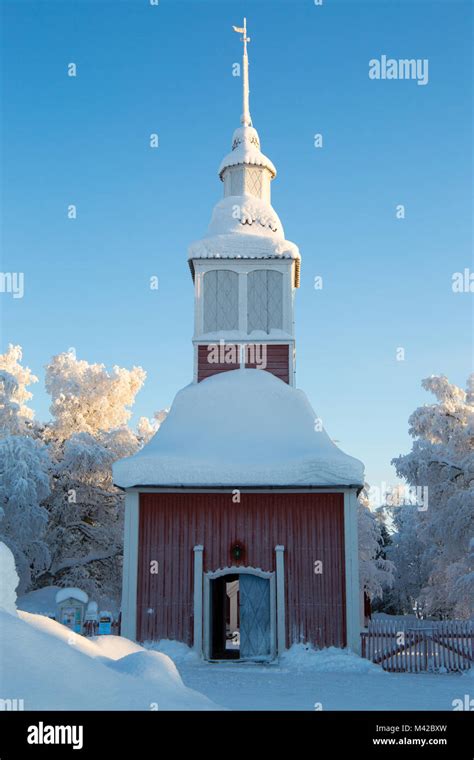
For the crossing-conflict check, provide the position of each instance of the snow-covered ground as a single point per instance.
(307, 680)
(51, 668)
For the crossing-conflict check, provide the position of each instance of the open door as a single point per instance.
(223, 617)
(255, 630)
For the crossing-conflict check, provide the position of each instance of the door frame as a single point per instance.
(238, 570)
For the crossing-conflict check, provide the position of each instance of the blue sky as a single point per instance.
(168, 69)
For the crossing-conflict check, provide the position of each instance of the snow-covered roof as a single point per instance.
(244, 227)
(248, 247)
(240, 428)
(246, 150)
(247, 216)
(71, 593)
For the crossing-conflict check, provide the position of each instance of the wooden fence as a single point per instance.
(445, 646)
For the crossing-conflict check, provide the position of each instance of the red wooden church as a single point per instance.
(241, 513)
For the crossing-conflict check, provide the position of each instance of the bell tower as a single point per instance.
(245, 272)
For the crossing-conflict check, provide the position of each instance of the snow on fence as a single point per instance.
(443, 646)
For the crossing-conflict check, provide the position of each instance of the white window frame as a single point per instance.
(280, 284)
(243, 268)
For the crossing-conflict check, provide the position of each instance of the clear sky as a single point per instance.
(168, 69)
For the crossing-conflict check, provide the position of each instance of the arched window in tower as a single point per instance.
(221, 300)
(264, 300)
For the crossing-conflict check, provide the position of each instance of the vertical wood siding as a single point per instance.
(310, 526)
(276, 360)
(207, 368)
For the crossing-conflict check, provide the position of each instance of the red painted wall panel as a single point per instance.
(310, 526)
(206, 368)
(276, 357)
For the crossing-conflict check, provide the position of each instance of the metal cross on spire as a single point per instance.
(245, 118)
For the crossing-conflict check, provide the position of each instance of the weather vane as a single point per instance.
(243, 30)
(245, 119)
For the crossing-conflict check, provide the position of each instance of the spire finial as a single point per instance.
(245, 118)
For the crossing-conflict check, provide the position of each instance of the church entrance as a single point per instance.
(241, 616)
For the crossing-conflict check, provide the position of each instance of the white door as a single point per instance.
(255, 628)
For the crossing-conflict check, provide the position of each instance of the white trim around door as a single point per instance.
(237, 570)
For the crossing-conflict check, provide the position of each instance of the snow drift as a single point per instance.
(242, 427)
(52, 668)
(304, 658)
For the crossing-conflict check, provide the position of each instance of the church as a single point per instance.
(241, 513)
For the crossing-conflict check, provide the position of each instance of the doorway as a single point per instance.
(225, 618)
(240, 611)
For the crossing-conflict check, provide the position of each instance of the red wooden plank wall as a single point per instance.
(206, 368)
(274, 355)
(310, 526)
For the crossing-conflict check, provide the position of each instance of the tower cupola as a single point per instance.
(245, 272)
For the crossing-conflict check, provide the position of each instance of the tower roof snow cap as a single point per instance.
(247, 215)
(246, 150)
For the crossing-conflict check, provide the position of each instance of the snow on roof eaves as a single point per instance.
(250, 487)
(245, 155)
(244, 246)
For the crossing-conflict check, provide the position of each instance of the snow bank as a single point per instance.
(8, 580)
(115, 647)
(153, 666)
(178, 651)
(242, 427)
(61, 632)
(302, 657)
(52, 668)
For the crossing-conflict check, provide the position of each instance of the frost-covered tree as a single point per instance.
(88, 399)
(147, 428)
(411, 562)
(85, 517)
(24, 485)
(11, 420)
(376, 572)
(88, 432)
(442, 459)
(15, 414)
